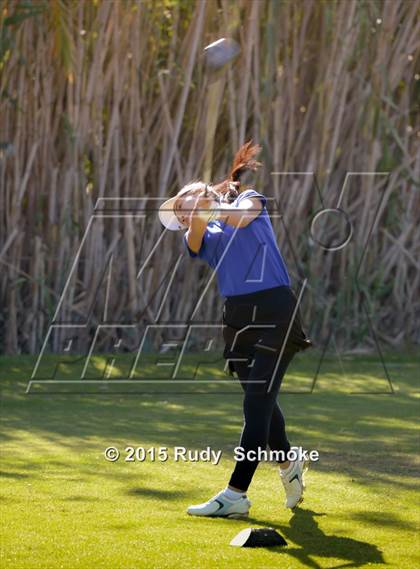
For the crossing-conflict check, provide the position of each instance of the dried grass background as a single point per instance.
(102, 98)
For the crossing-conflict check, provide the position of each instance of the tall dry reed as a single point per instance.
(111, 99)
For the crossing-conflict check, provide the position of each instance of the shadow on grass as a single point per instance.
(309, 541)
(9, 474)
(384, 519)
(158, 494)
(81, 499)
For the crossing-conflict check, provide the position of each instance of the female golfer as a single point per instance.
(231, 230)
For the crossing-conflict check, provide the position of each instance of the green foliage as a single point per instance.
(23, 11)
(58, 14)
(61, 26)
(9, 25)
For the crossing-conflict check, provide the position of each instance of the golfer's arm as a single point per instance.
(195, 233)
(249, 209)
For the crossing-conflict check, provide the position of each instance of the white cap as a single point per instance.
(166, 211)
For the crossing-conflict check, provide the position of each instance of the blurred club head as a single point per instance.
(221, 52)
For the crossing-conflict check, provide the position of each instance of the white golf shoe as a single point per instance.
(294, 483)
(220, 506)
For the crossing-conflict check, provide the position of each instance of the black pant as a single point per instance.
(262, 369)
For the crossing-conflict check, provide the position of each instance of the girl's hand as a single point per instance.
(200, 215)
(205, 209)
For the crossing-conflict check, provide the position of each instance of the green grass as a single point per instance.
(64, 506)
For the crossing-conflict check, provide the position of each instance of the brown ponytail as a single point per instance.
(244, 160)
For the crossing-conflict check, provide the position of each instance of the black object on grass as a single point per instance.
(258, 537)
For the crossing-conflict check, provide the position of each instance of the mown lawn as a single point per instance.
(65, 506)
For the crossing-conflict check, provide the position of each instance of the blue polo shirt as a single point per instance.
(246, 259)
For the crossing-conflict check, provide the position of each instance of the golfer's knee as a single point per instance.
(259, 403)
(257, 416)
